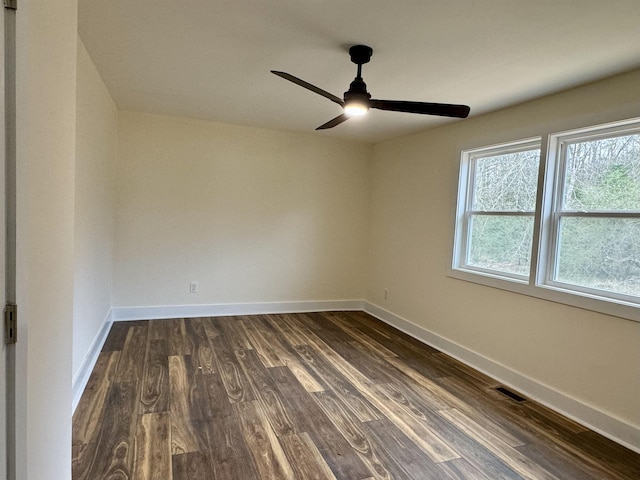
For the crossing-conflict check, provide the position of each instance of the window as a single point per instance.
(580, 242)
(496, 211)
(593, 231)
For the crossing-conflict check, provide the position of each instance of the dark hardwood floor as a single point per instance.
(313, 396)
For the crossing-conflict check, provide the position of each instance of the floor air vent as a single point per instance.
(512, 395)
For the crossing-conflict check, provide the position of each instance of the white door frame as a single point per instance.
(8, 241)
(3, 347)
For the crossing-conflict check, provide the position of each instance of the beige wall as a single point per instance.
(590, 357)
(252, 215)
(96, 155)
(46, 124)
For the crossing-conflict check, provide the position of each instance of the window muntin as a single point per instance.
(496, 230)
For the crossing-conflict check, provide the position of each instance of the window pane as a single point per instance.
(601, 253)
(603, 174)
(506, 182)
(501, 243)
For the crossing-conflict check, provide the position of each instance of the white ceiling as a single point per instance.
(211, 59)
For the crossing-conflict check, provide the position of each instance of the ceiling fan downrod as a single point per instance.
(356, 99)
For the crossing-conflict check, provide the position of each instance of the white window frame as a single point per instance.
(540, 283)
(465, 210)
(553, 212)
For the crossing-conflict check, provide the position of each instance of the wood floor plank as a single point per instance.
(420, 406)
(179, 343)
(305, 458)
(369, 366)
(556, 418)
(342, 365)
(267, 453)
(116, 337)
(331, 334)
(82, 456)
(235, 381)
(312, 320)
(606, 451)
(327, 396)
(159, 330)
(209, 329)
(230, 456)
(353, 432)
(422, 435)
(265, 351)
(289, 358)
(434, 424)
(231, 329)
(153, 447)
(509, 455)
(154, 394)
(436, 394)
(309, 417)
(437, 451)
(115, 444)
(132, 357)
(394, 339)
(202, 354)
(401, 388)
(468, 448)
(89, 412)
(482, 410)
(460, 370)
(397, 448)
(427, 366)
(214, 402)
(299, 323)
(186, 436)
(339, 384)
(192, 466)
(281, 324)
(565, 465)
(537, 426)
(266, 392)
(351, 329)
(461, 469)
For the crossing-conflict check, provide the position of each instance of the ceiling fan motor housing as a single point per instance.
(360, 54)
(357, 91)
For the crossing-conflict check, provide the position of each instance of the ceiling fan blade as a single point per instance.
(308, 86)
(332, 123)
(425, 108)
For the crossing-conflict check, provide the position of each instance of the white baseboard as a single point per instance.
(228, 309)
(84, 372)
(596, 420)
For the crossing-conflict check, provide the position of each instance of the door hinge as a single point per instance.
(12, 4)
(10, 323)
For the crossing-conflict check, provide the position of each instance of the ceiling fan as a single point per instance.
(357, 101)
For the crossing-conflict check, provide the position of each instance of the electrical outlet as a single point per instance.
(193, 287)
(386, 293)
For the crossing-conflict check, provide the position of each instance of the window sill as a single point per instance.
(626, 311)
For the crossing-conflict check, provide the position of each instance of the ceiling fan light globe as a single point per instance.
(356, 109)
